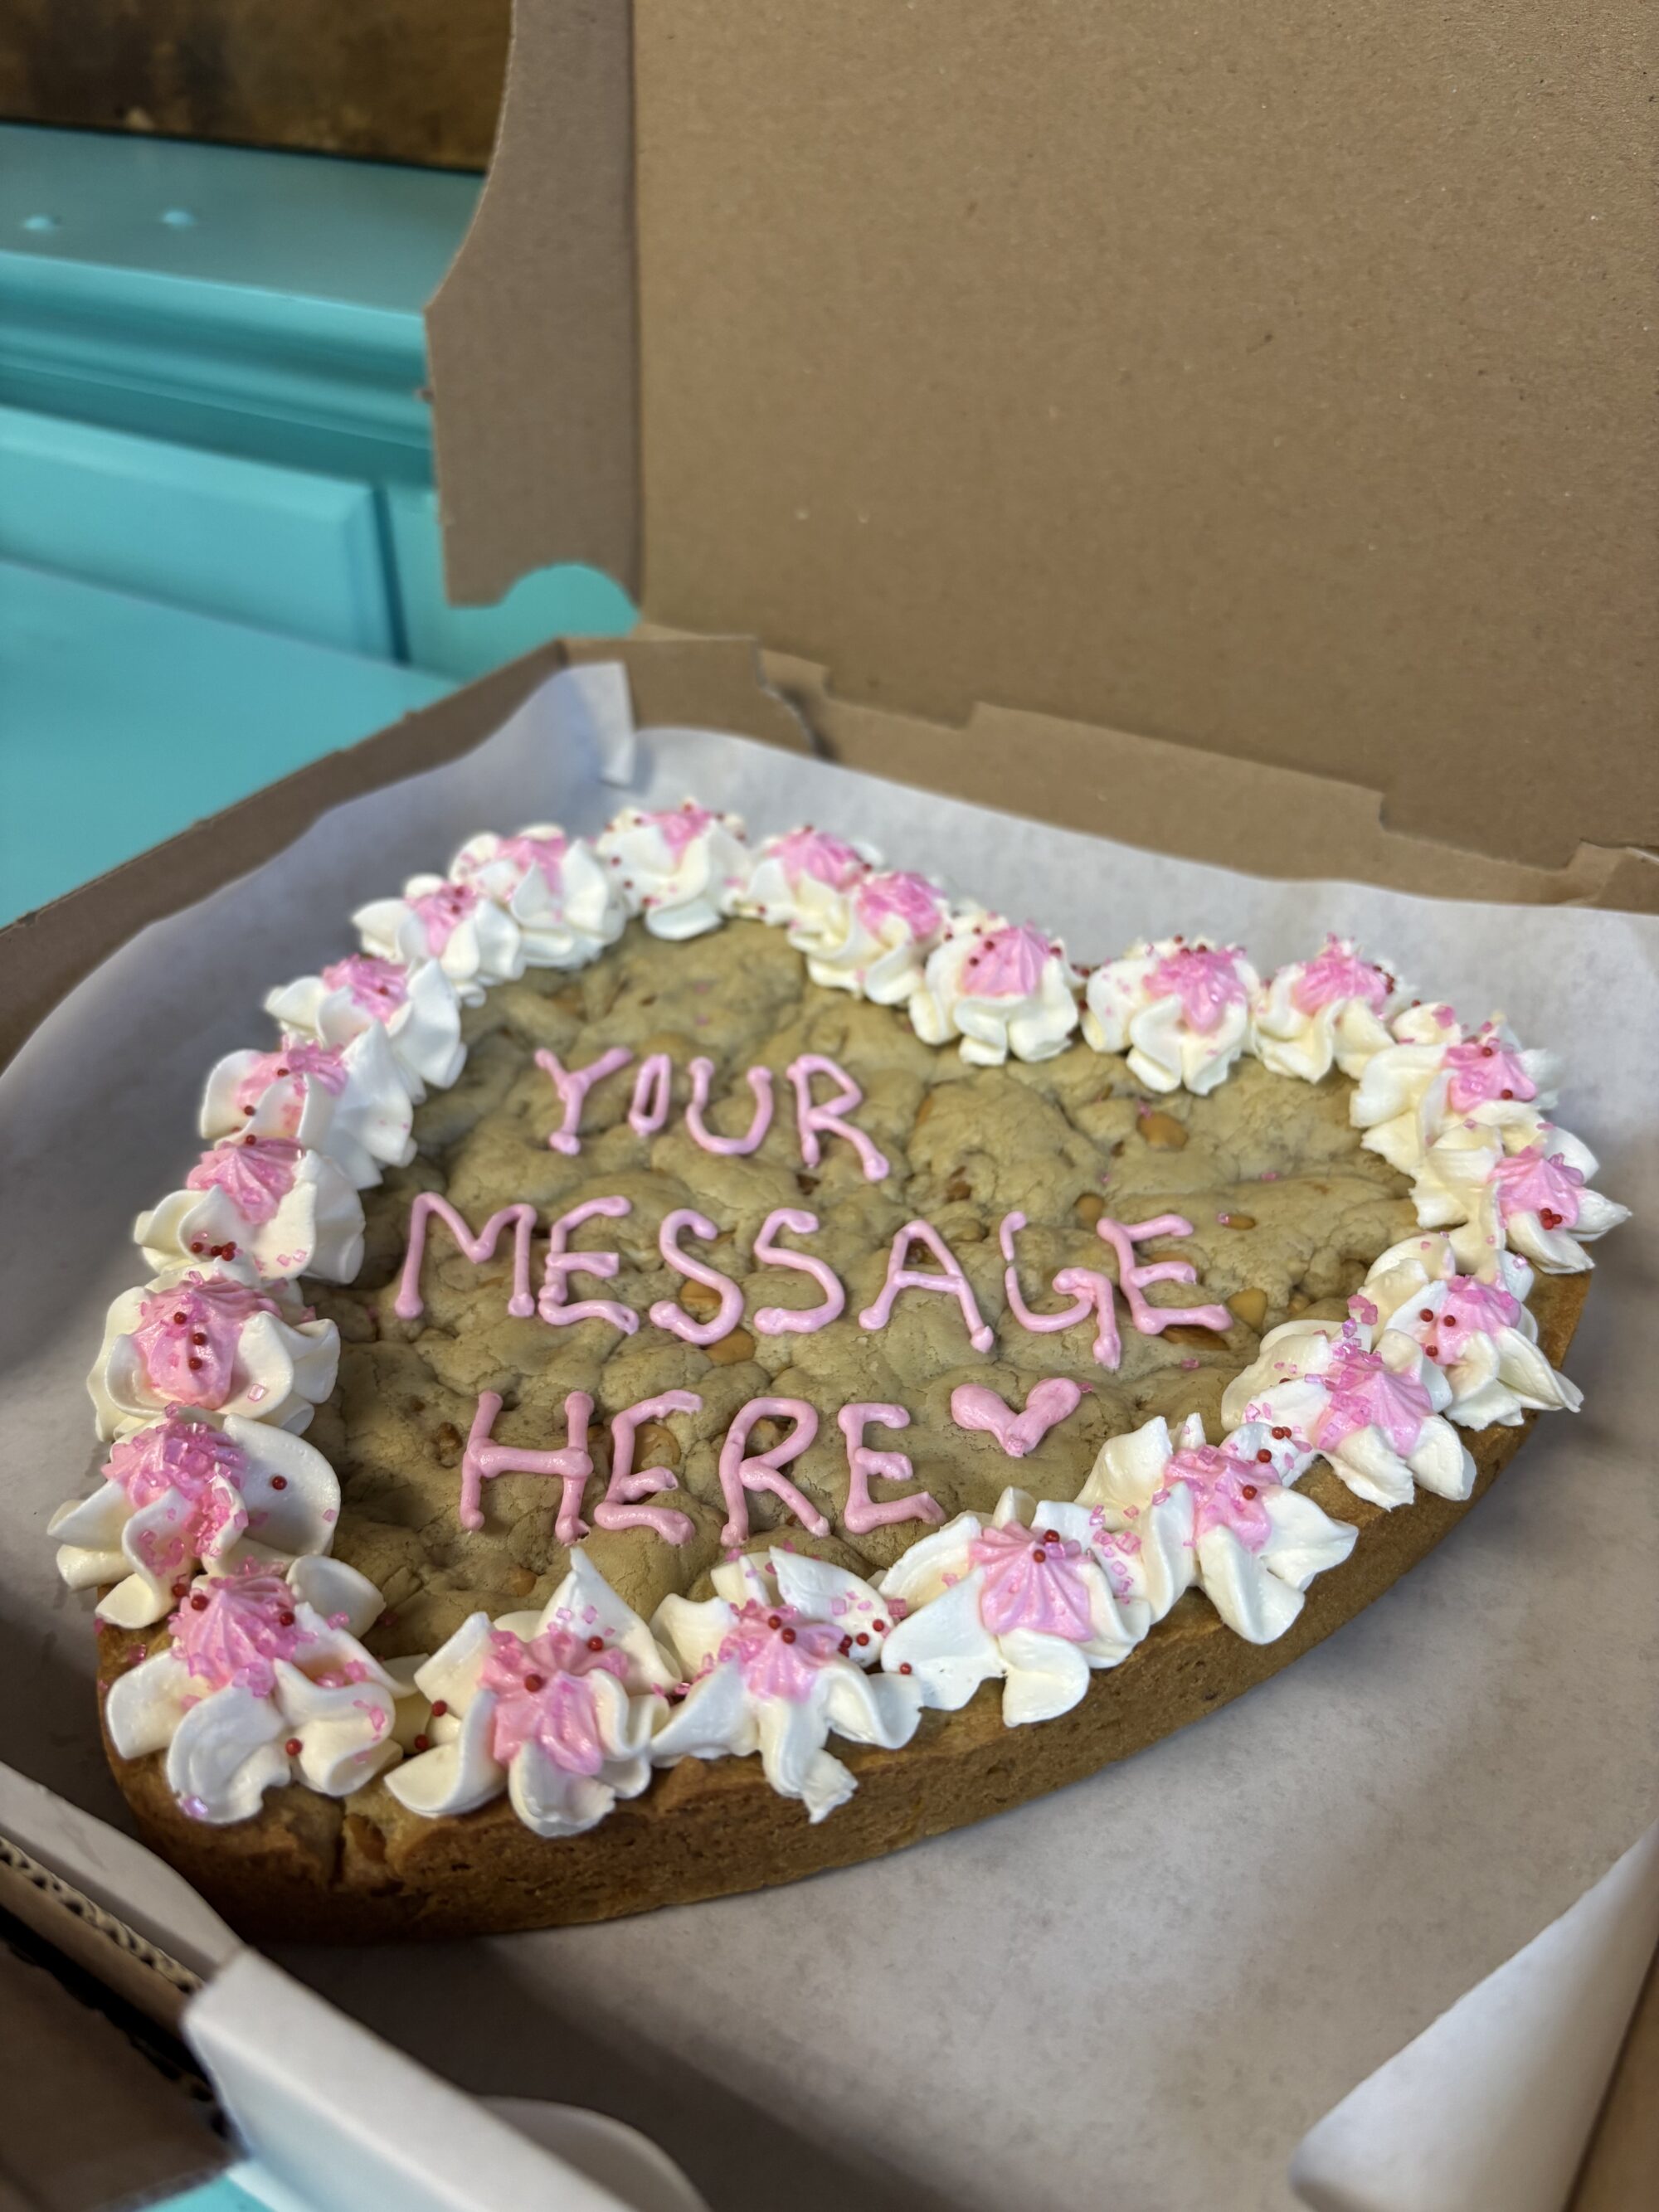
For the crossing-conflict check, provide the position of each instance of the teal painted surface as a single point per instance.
(568, 601)
(280, 549)
(219, 2196)
(122, 721)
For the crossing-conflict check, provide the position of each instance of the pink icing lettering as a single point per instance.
(826, 1118)
(187, 1337)
(782, 1321)
(246, 1625)
(653, 1089)
(910, 901)
(780, 1654)
(570, 1466)
(1096, 1294)
(974, 1407)
(573, 1086)
(374, 987)
(1484, 1069)
(666, 1313)
(620, 1508)
(1152, 1321)
(543, 1697)
(1006, 963)
(1336, 975)
(1531, 1181)
(1227, 1493)
(861, 1512)
(741, 1474)
(760, 1082)
(256, 1174)
(408, 1304)
(1033, 1579)
(562, 1265)
(1205, 981)
(950, 1280)
(440, 913)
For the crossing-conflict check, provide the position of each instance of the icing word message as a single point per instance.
(648, 1110)
(741, 1471)
(1093, 1296)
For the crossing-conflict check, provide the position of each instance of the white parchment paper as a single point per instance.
(1142, 1991)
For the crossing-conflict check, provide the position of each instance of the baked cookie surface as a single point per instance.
(690, 1365)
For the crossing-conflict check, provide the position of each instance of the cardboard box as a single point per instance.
(1232, 437)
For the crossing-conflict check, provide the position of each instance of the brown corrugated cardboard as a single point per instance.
(1274, 386)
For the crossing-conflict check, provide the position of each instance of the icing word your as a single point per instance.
(1093, 1295)
(647, 1112)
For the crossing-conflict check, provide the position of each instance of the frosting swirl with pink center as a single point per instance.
(1033, 1579)
(374, 986)
(1178, 1010)
(1533, 1181)
(542, 1697)
(294, 1063)
(1205, 979)
(1227, 1493)
(1003, 987)
(1338, 974)
(780, 1651)
(1485, 1068)
(1366, 1393)
(234, 1629)
(256, 1174)
(187, 1336)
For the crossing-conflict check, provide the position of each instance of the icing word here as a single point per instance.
(1093, 1294)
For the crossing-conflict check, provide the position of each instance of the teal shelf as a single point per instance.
(125, 720)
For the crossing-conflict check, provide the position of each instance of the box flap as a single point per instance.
(1279, 385)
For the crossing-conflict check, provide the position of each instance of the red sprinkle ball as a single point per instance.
(294, 1747)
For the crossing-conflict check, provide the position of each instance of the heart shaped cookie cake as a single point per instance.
(691, 1363)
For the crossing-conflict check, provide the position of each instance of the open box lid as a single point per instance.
(1279, 387)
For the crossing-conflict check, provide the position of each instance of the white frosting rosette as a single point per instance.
(268, 1200)
(876, 940)
(1374, 1413)
(1519, 1186)
(182, 1492)
(350, 1101)
(264, 1682)
(1038, 1595)
(1179, 1008)
(801, 881)
(219, 1341)
(557, 889)
(1329, 1011)
(474, 942)
(774, 1662)
(1433, 1079)
(681, 868)
(1475, 1329)
(1001, 987)
(1220, 1518)
(417, 1006)
(555, 1707)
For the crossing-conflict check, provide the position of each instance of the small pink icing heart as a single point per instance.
(974, 1407)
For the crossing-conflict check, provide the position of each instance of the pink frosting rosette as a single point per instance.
(774, 1662)
(186, 1492)
(265, 1199)
(1329, 1012)
(1037, 1597)
(556, 1708)
(681, 869)
(215, 1339)
(1476, 1329)
(562, 895)
(1374, 1411)
(475, 941)
(1434, 1078)
(1000, 988)
(263, 1681)
(416, 1005)
(1179, 1009)
(1223, 1518)
(350, 1101)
